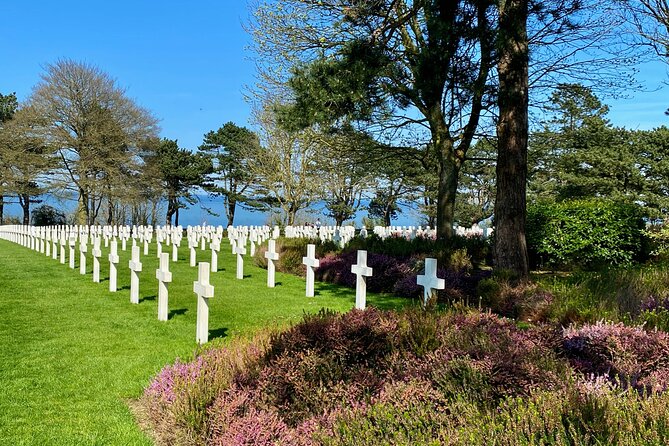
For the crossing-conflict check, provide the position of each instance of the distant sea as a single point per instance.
(197, 214)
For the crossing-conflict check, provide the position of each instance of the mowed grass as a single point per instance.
(72, 354)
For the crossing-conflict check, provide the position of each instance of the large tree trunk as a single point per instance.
(512, 133)
(447, 186)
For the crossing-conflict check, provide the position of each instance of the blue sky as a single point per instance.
(187, 62)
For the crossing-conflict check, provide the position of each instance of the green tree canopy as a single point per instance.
(180, 173)
(229, 148)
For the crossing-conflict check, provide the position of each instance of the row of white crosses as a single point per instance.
(238, 238)
(429, 280)
(340, 235)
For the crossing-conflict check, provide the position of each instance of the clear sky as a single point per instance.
(186, 61)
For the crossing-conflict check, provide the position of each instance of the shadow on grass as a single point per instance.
(337, 291)
(177, 312)
(380, 301)
(147, 298)
(126, 287)
(218, 333)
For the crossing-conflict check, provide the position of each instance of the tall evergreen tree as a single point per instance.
(180, 172)
(229, 148)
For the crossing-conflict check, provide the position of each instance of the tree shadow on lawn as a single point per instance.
(378, 300)
(153, 297)
(177, 312)
(334, 290)
(218, 333)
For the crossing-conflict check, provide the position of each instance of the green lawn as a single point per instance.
(72, 353)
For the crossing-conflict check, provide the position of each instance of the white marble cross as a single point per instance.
(362, 271)
(192, 244)
(429, 281)
(271, 255)
(311, 262)
(113, 260)
(164, 277)
(215, 248)
(83, 248)
(62, 248)
(47, 243)
(240, 250)
(135, 267)
(96, 259)
(159, 246)
(73, 241)
(54, 249)
(253, 237)
(175, 249)
(204, 291)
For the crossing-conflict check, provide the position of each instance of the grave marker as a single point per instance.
(96, 259)
(73, 240)
(164, 277)
(429, 281)
(62, 248)
(311, 262)
(83, 248)
(362, 271)
(271, 255)
(113, 260)
(192, 243)
(135, 267)
(240, 250)
(215, 247)
(204, 291)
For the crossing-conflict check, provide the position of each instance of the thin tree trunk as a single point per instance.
(24, 200)
(512, 133)
(232, 205)
(2, 210)
(110, 211)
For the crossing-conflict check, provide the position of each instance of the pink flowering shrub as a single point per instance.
(629, 356)
(417, 377)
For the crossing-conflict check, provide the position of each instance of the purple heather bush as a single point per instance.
(416, 377)
(398, 276)
(629, 356)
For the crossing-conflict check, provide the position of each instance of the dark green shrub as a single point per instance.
(585, 234)
(475, 249)
(46, 215)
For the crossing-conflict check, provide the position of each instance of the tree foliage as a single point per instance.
(391, 65)
(285, 166)
(95, 128)
(179, 172)
(230, 148)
